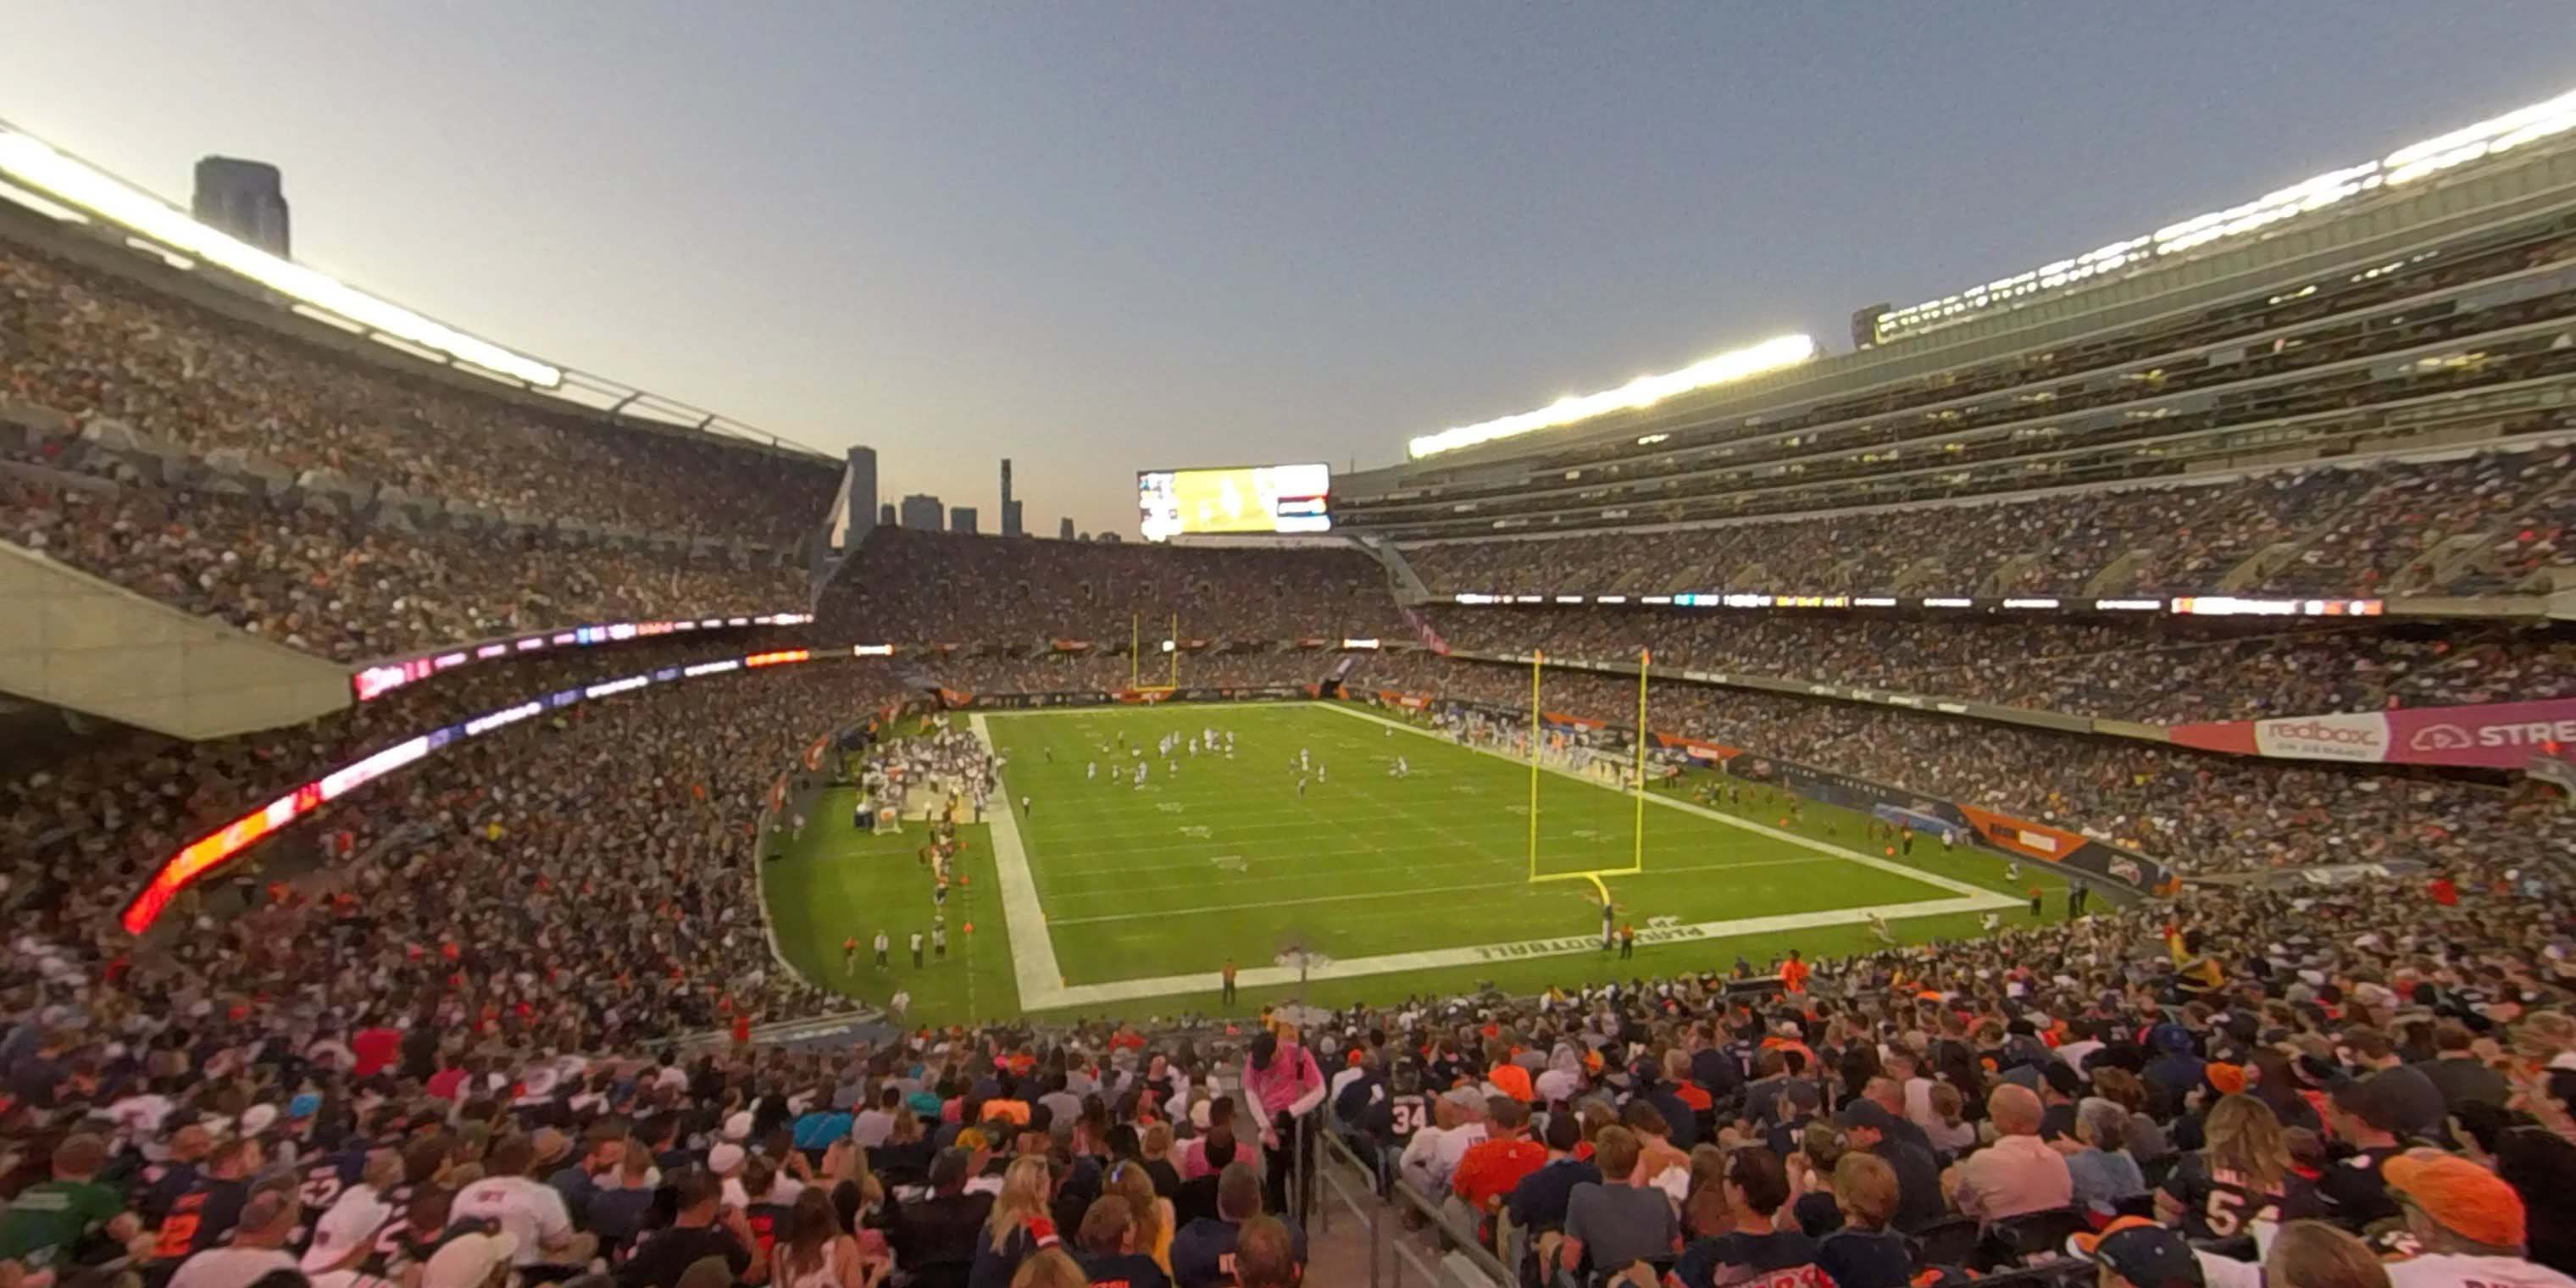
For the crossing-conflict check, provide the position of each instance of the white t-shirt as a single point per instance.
(229, 1267)
(529, 1211)
(783, 1190)
(871, 1128)
(2451, 1270)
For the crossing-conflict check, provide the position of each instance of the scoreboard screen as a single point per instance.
(1264, 499)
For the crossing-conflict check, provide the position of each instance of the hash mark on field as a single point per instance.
(1230, 862)
(1170, 807)
(1195, 830)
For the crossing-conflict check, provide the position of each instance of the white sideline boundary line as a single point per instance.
(1041, 978)
(1033, 962)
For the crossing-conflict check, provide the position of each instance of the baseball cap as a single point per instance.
(351, 1224)
(2462, 1197)
(304, 1105)
(738, 1127)
(1864, 1113)
(468, 1260)
(2142, 1252)
(2229, 1079)
(725, 1159)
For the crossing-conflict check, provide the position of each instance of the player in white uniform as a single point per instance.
(1301, 758)
(1140, 775)
(1301, 785)
(1090, 770)
(1878, 927)
(1319, 771)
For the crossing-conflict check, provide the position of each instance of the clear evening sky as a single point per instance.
(1097, 237)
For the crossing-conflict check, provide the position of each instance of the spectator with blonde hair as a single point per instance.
(1018, 1227)
(2240, 1177)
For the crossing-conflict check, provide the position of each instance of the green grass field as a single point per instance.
(1412, 885)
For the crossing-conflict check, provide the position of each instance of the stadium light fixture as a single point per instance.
(30, 162)
(1644, 391)
(2403, 166)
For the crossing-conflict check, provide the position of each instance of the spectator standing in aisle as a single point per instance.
(1284, 1085)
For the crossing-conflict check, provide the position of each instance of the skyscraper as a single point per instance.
(1010, 508)
(922, 510)
(854, 510)
(885, 515)
(961, 518)
(1064, 529)
(244, 198)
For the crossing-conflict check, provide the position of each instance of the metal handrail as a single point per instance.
(1464, 1241)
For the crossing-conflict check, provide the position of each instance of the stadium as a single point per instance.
(2126, 704)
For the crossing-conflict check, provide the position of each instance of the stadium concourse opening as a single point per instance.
(1393, 853)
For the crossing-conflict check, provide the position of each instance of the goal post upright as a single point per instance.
(1176, 650)
(1537, 659)
(1135, 642)
(1637, 862)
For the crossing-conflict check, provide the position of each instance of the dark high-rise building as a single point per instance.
(855, 510)
(1064, 529)
(244, 198)
(1010, 508)
(961, 518)
(885, 514)
(922, 510)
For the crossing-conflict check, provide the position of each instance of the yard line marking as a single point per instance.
(1404, 892)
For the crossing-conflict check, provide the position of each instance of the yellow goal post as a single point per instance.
(1636, 785)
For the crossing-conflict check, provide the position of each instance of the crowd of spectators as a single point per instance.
(1088, 672)
(911, 585)
(2198, 811)
(2349, 531)
(2337, 317)
(2151, 668)
(318, 580)
(339, 568)
(2370, 1079)
(2311, 1083)
(95, 345)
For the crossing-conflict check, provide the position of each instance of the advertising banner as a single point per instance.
(2493, 735)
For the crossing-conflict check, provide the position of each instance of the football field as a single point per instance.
(1102, 895)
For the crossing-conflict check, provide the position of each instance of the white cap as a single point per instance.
(725, 1159)
(257, 1119)
(468, 1260)
(351, 1224)
(738, 1127)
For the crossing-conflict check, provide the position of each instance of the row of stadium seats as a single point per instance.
(2496, 280)
(2158, 670)
(2496, 520)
